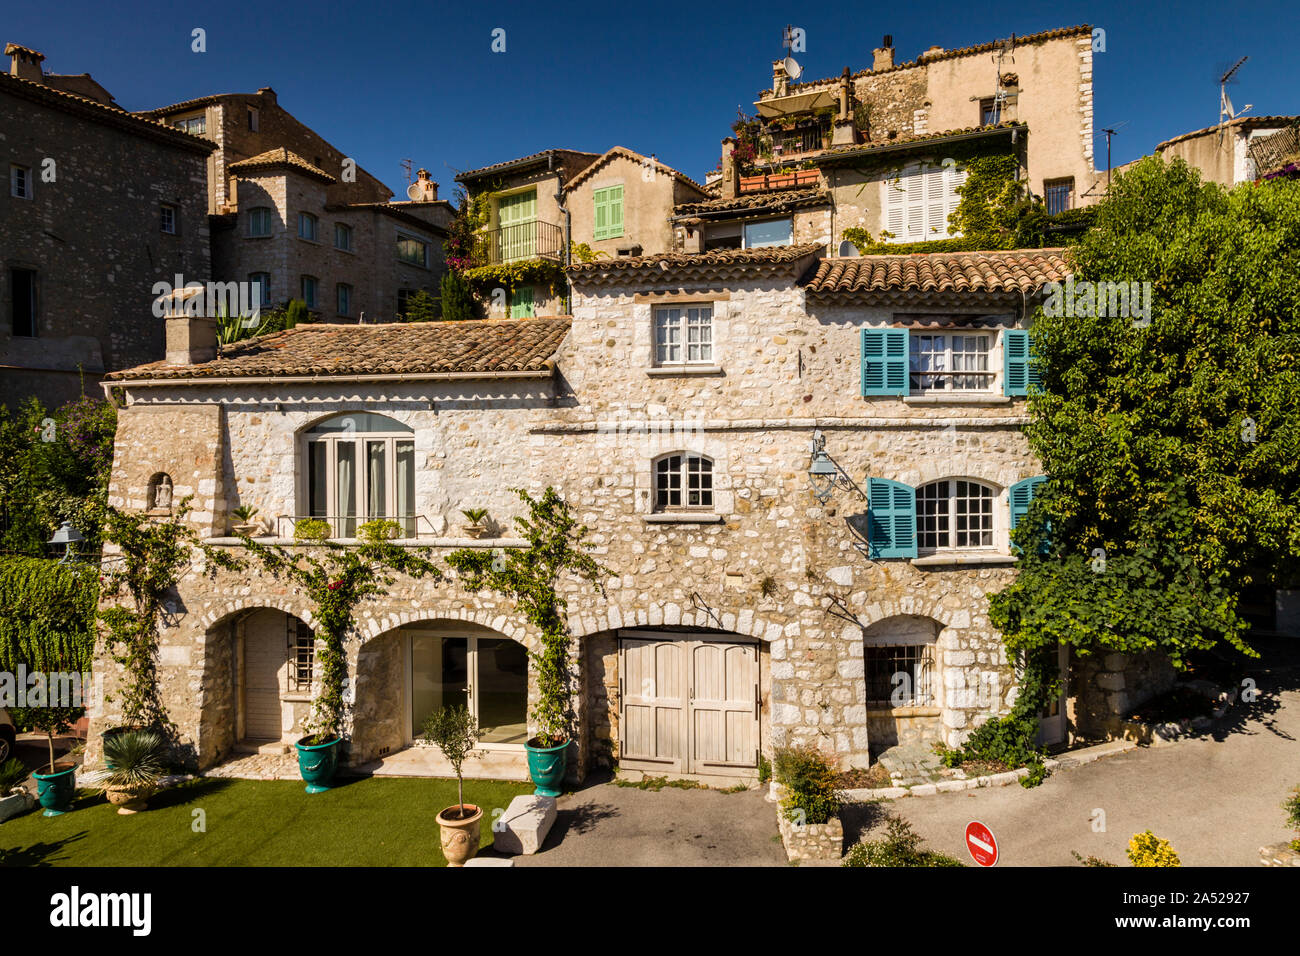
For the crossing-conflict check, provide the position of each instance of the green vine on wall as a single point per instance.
(152, 557)
(529, 576)
(48, 623)
(335, 582)
(515, 275)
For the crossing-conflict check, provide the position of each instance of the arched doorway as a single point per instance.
(902, 668)
(274, 665)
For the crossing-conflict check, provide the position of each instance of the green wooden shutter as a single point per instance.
(615, 212)
(891, 519)
(521, 303)
(884, 362)
(1022, 495)
(601, 230)
(1020, 374)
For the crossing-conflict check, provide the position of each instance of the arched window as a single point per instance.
(683, 482)
(954, 514)
(360, 467)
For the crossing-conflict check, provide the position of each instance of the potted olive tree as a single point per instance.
(454, 732)
(529, 576)
(136, 762)
(56, 782)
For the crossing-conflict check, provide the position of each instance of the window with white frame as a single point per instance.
(167, 217)
(683, 482)
(360, 467)
(683, 335)
(950, 361)
(306, 226)
(954, 514)
(194, 125)
(20, 181)
(769, 232)
(263, 282)
(920, 200)
(259, 221)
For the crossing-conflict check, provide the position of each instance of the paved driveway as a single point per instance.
(607, 825)
(1216, 799)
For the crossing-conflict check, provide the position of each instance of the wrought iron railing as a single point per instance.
(527, 240)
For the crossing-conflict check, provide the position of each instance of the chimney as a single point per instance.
(191, 337)
(267, 94)
(730, 175)
(933, 51)
(428, 189)
(24, 63)
(883, 56)
(780, 81)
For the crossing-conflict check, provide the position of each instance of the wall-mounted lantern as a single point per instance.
(66, 538)
(824, 473)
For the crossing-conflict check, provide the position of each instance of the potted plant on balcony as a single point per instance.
(454, 732)
(475, 528)
(244, 523)
(56, 782)
(136, 759)
(529, 576)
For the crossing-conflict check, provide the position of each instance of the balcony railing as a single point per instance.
(345, 526)
(528, 240)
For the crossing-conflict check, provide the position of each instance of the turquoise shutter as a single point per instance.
(891, 519)
(601, 197)
(884, 362)
(521, 303)
(1022, 495)
(1019, 371)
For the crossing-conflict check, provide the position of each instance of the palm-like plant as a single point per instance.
(136, 758)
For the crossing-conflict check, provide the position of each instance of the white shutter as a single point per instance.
(895, 200)
(915, 179)
(936, 217)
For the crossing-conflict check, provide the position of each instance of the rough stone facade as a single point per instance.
(91, 234)
(766, 564)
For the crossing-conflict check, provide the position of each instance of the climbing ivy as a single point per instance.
(529, 576)
(48, 623)
(335, 581)
(515, 275)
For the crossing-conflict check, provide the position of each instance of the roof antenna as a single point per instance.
(1226, 112)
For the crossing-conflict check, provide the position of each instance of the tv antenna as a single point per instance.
(407, 166)
(792, 68)
(1226, 112)
(1111, 131)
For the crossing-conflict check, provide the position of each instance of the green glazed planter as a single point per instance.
(56, 790)
(546, 765)
(317, 763)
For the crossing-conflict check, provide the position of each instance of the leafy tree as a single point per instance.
(1173, 447)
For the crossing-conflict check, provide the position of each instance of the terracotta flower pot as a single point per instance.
(460, 838)
(129, 799)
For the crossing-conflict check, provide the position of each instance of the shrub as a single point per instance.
(1090, 860)
(808, 776)
(1147, 849)
(296, 313)
(458, 302)
(1292, 808)
(380, 529)
(421, 307)
(899, 847)
(311, 529)
(136, 758)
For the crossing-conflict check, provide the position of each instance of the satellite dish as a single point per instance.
(414, 191)
(792, 68)
(848, 250)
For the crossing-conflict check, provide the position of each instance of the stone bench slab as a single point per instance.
(490, 861)
(523, 827)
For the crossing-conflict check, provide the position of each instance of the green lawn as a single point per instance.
(368, 822)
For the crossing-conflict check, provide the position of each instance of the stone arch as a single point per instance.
(491, 618)
(219, 615)
(669, 613)
(937, 467)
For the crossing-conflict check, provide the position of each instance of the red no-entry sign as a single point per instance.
(979, 840)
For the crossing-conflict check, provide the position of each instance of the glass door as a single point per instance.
(487, 675)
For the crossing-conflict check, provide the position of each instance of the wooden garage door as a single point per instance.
(265, 663)
(689, 706)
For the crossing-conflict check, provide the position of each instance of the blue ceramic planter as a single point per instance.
(56, 790)
(546, 765)
(317, 763)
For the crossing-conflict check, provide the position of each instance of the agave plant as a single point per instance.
(136, 758)
(12, 773)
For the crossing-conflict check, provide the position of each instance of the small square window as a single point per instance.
(684, 335)
(413, 251)
(306, 226)
(900, 675)
(168, 219)
(259, 221)
(990, 111)
(20, 181)
(1059, 195)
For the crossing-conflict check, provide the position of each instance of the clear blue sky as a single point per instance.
(384, 81)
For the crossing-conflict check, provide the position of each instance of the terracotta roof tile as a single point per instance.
(774, 199)
(280, 157)
(1016, 270)
(472, 347)
(841, 152)
(718, 264)
(524, 161)
(636, 158)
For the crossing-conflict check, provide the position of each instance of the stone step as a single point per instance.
(523, 827)
(490, 861)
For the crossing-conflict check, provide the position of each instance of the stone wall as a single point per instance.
(1105, 688)
(94, 238)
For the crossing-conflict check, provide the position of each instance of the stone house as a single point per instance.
(295, 214)
(617, 203)
(1223, 153)
(674, 409)
(98, 206)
